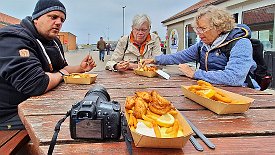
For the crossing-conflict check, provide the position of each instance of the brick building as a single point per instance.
(7, 20)
(68, 40)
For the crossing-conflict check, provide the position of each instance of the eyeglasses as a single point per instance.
(141, 30)
(201, 30)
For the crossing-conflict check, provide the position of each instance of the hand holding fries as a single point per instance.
(147, 61)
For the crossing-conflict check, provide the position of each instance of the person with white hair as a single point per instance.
(140, 44)
(216, 29)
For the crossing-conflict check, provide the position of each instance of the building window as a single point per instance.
(236, 17)
(191, 37)
(261, 23)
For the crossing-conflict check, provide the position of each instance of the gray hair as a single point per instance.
(219, 18)
(138, 20)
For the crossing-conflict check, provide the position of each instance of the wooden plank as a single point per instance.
(114, 93)
(224, 145)
(6, 135)
(122, 92)
(15, 143)
(50, 102)
(130, 80)
(253, 122)
(127, 83)
(47, 107)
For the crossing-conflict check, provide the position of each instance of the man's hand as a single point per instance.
(187, 70)
(87, 64)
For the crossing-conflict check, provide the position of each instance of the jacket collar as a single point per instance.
(240, 31)
(142, 46)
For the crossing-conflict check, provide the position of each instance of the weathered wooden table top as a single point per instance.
(249, 132)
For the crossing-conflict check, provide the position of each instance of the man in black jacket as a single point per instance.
(32, 59)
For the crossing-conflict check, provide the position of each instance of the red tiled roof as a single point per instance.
(194, 8)
(260, 15)
(7, 20)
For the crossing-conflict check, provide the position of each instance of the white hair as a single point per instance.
(219, 18)
(138, 20)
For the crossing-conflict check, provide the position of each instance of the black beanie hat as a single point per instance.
(44, 6)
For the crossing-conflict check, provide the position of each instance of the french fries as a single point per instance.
(156, 119)
(79, 75)
(169, 130)
(175, 128)
(156, 130)
(147, 123)
(173, 112)
(143, 67)
(147, 118)
(206, 90)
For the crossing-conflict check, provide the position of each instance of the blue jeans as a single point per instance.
(101, 55)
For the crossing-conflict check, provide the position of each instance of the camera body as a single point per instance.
(96, 117)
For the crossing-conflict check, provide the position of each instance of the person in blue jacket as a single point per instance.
(32, 59)
(216, 28)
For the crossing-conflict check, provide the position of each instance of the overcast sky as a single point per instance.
(103, 17)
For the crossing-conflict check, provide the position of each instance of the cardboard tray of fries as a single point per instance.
(240, 104)
(146, 73)
(80, 78)
(153, 142)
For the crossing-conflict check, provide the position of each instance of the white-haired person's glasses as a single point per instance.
(199, 30)
(141, 30)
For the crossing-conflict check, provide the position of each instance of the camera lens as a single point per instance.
(99, 90)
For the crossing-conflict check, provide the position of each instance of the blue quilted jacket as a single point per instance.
(214, 65)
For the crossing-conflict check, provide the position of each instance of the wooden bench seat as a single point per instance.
(11, 141)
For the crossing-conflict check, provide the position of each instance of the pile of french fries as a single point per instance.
(148, 68)
(149, 108)
(79, 75)
(207, 90)
(143, 67)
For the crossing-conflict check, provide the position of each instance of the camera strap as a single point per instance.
(56, 131)
(124, 130)
(125, 133)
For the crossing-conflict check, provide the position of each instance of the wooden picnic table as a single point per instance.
(246, 133)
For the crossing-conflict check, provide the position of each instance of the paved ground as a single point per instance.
(75, 57)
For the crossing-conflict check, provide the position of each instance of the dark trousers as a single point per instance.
(13, 123)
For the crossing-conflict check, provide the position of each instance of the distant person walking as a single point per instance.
(101, 45)
(108, 48)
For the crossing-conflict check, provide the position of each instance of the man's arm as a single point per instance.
(86, 65)
(55, 78)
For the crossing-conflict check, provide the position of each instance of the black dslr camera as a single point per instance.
(96, 117)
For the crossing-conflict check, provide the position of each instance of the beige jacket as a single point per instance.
(152, 49)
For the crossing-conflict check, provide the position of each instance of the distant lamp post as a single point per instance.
(123, 19)
(108, 33)
(88, 38)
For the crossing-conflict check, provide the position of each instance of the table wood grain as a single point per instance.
(246, 133)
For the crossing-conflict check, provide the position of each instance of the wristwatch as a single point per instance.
(62, 74)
